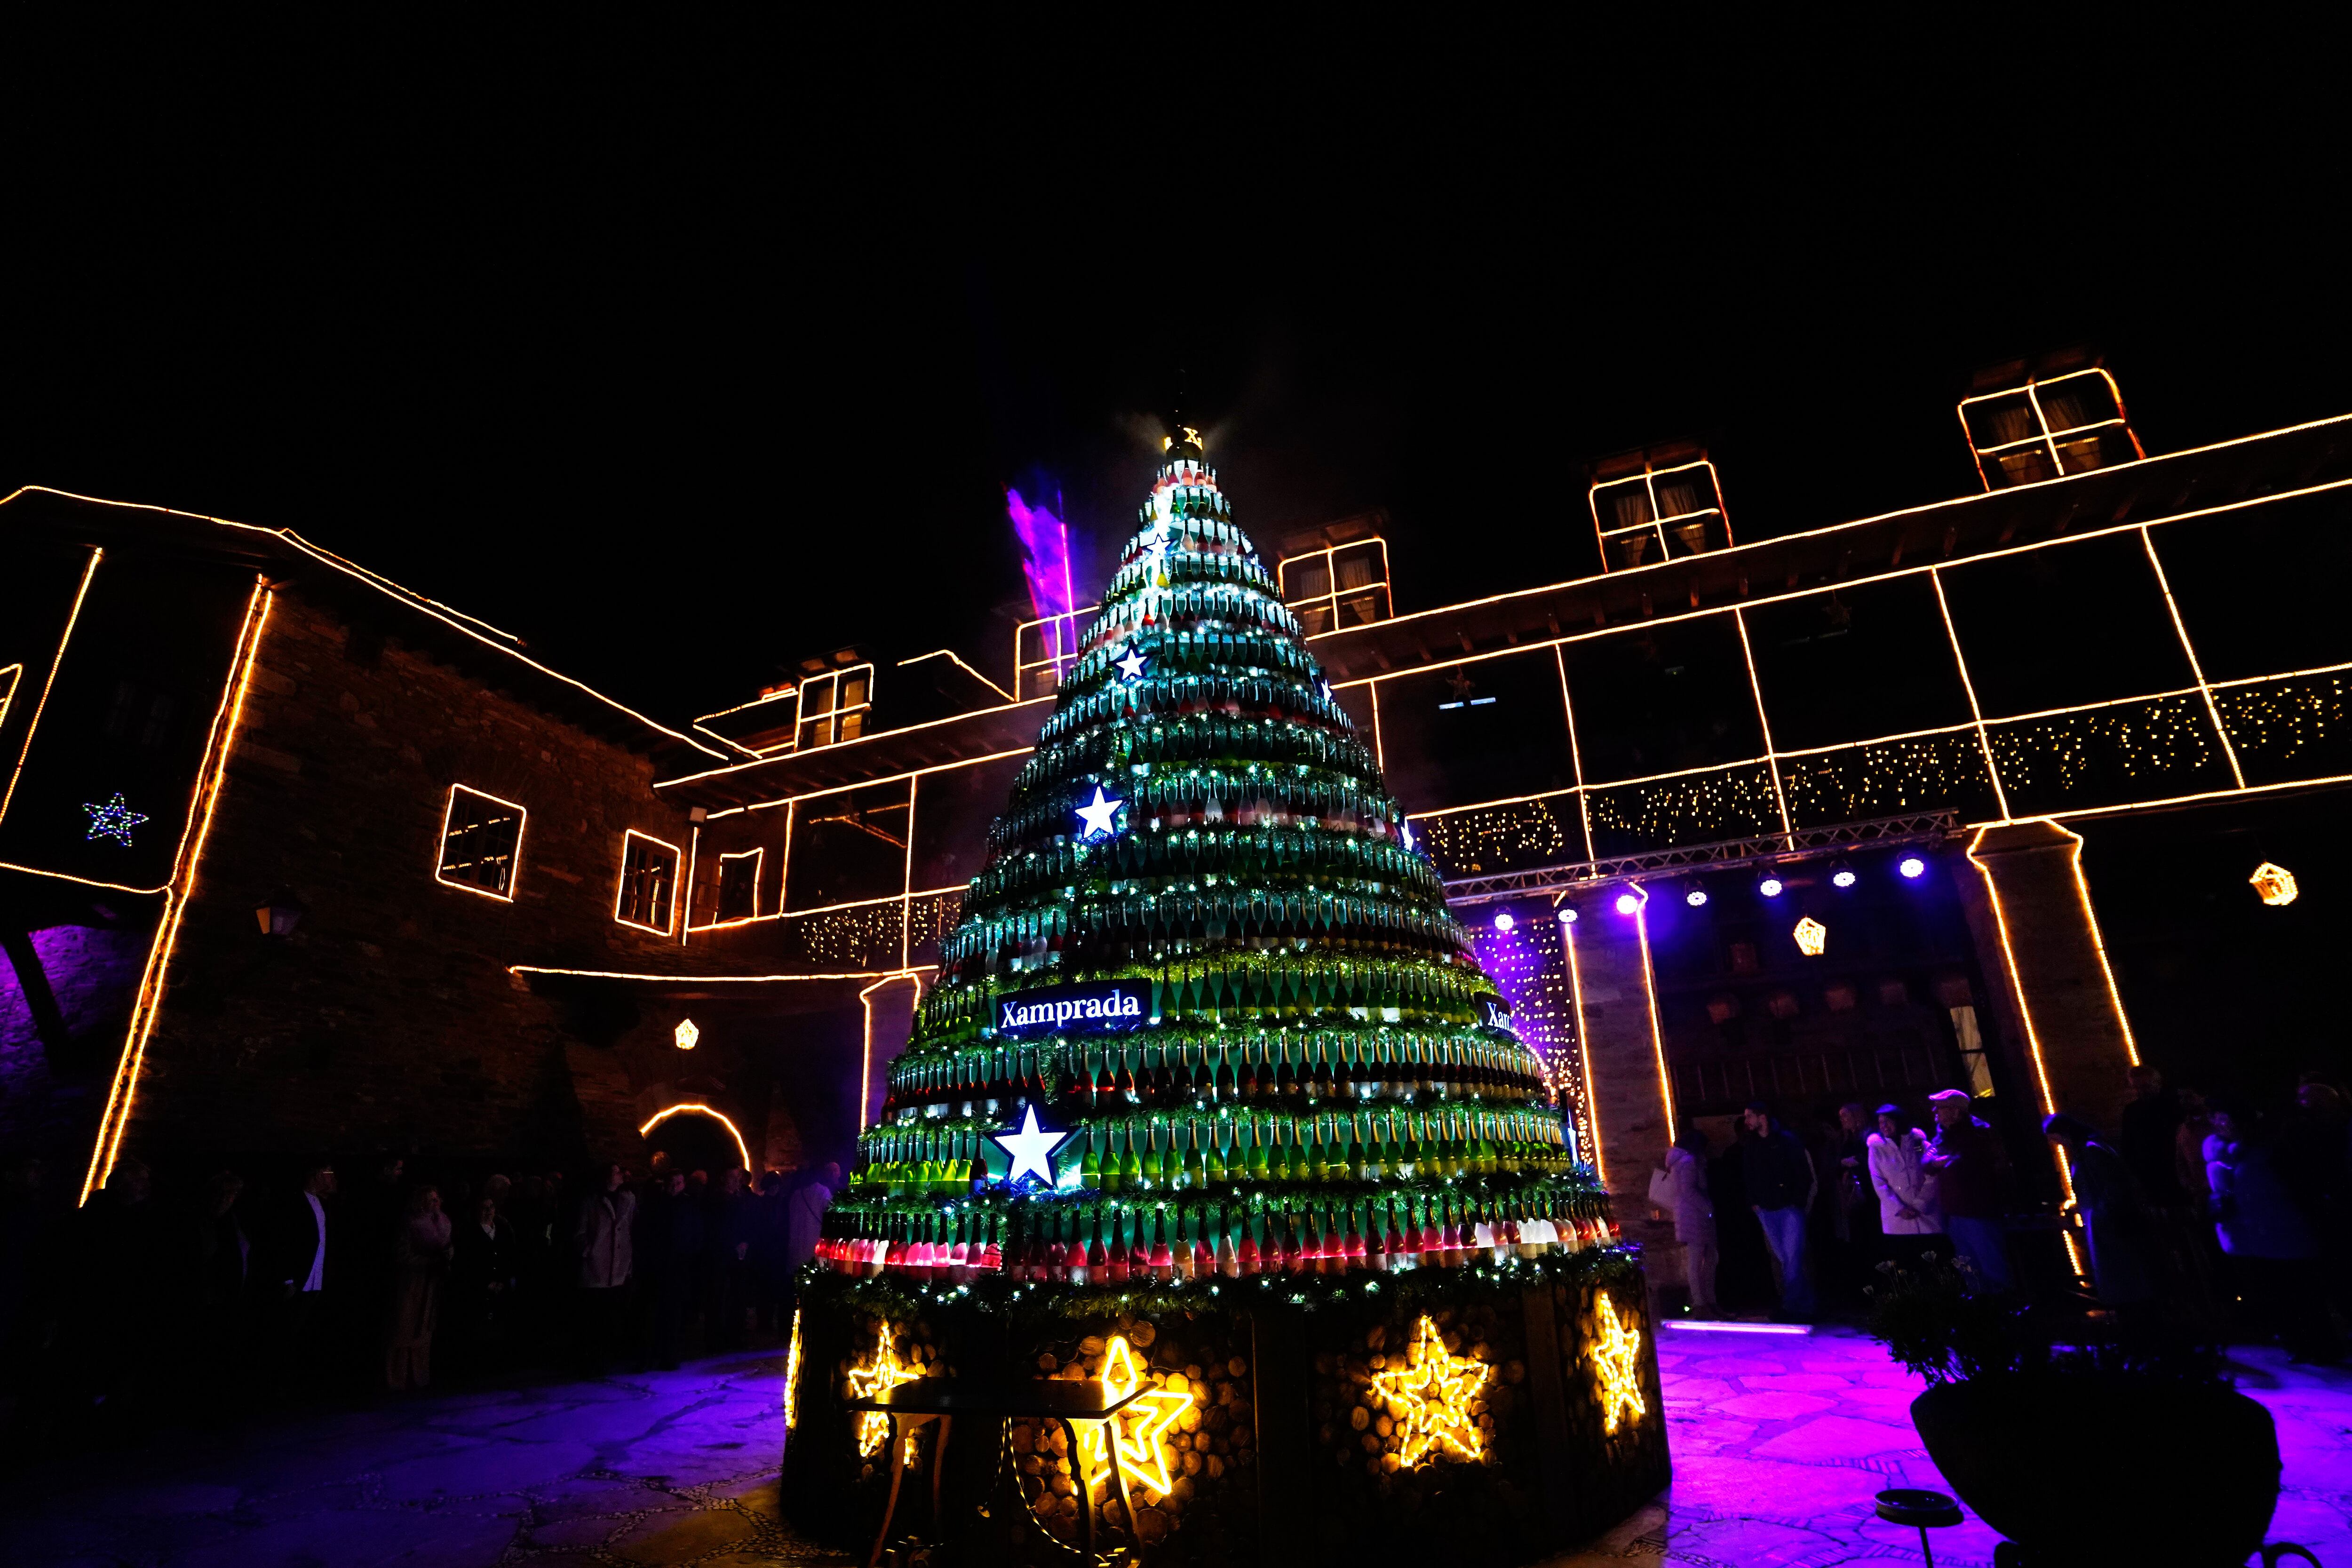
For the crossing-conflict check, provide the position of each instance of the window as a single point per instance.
(1675, 511)
(649, 883)
(738, 885)
(833, 706)
(1341, 586)
(10, 674)
(481, 842)
(2067, 425)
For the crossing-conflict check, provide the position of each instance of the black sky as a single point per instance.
(687, 356)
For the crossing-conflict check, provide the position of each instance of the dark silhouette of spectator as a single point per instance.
(2270, 1247)
(1781, 1186)
(113, 1312)
(28, 1271)
(604, 1242)
(1970, 1170)
(1694, 1213)
(2151, 1119)
(672, 1231)
(1895, 1156)
(420, 1256)
(2119, 1231)
(218, 1265)
(484, 1265)
(725, 1251)
(298, 1237)
(1854, 1205)
(771, 1263)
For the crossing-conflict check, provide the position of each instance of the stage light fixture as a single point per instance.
(1911, 865)
(1504, 922)
(1770, 886)
(1842, 876)
(1567, 915)
(1696, 897)
(1627, 903)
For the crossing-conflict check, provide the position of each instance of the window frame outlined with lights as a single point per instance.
(450, 828)
(668, 898)
(839, 719)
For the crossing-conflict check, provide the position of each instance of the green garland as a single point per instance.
(1035, 1301)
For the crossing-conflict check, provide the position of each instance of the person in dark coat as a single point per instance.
(670, 1251)
(2150, 1120)
(1971, 1168)
(727, 1215)
(2272, 1248)
(771, 1271)
(301, 1250)
(485, 1261)
(2127, 1254)
(1780, 1187)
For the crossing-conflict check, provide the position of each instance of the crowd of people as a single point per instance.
(226, 1298)
(2203, 1207)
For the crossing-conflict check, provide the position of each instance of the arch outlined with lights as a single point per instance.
(696, 1107)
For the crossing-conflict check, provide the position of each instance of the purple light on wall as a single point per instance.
(1045, 562)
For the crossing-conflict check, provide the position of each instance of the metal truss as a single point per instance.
(1583, 875)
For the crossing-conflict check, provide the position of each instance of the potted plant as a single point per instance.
(2132, 1450)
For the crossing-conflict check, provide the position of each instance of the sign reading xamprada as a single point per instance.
(1111, 1004)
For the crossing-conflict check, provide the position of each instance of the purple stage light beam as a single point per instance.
(1045, 562)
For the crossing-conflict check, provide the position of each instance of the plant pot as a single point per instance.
(2107, 1468)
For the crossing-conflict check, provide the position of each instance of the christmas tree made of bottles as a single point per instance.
(1205, 1013)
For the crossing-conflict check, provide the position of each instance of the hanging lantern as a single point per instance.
(2275, 883)
(1811, 937)
(686, 1033)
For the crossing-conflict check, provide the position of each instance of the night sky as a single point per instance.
(684, 357)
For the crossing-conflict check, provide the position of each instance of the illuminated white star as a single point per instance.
(1327, 690)
(1031, 1149)
(1132, 664)
(114, 820)
(1404, 831)
(1100, 816)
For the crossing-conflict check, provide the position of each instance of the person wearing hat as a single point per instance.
(1967, 1164)
(1907, 1193)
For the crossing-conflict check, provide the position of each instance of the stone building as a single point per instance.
(2015, 759)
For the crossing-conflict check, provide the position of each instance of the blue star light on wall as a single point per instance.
(114, 820)
(1100, 817)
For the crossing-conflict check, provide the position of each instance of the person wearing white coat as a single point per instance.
(1906, 1188)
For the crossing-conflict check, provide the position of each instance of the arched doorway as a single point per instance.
(695, 1138)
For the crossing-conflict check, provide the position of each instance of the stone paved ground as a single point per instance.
(1778, 1444)
(1781, 1443)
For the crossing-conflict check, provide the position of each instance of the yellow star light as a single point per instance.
(1617, 1366)
(880, 1376)
(793, 1372)
(1429, 1397)
(1141, 1426)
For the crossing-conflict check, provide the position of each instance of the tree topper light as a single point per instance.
(1099, 818)
(1031, 1149)
(114, 820)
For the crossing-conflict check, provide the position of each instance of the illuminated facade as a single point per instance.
(2061, 701)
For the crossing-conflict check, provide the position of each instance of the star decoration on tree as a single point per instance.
(1327, 690)
(1130, 664)
(114, 820)
(1404, 832)
(1031, 1149)
(1137, 1428)
(1429, 1397)
(880, 1376)
(1100, 816)
(1616, 1366)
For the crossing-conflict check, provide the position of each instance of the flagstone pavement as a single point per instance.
(1778, 1444)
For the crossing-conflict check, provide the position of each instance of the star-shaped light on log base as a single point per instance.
(1099, 817)
(114, 820)
(1130, 663)
(1137, 1428)
(1616, 1366)
(1429, 1397)
(880, 1376)
(1031, 1149)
